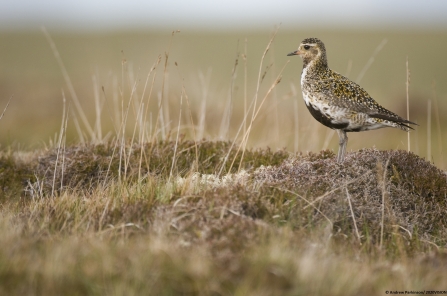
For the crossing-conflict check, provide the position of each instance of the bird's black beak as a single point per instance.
(296, 52)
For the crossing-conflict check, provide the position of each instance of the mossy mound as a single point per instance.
(87, 166)
(299, 190)
(414, 191)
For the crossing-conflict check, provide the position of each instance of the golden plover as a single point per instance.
(337, 102)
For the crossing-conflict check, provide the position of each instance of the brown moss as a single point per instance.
(14, 176)
(415, 190)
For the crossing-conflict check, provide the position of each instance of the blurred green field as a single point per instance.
(215, 85)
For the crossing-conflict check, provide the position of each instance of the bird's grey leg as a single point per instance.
(342, 142)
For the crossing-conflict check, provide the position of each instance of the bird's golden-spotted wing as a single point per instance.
(344, 93)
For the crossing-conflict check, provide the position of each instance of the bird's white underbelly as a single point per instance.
(324, 107)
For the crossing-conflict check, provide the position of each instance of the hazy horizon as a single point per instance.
(229, 15)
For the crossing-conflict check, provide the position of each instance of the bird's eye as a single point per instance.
(306, 47)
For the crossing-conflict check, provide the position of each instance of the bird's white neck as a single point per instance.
(304, 74)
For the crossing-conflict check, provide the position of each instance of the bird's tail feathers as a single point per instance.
(401, 123)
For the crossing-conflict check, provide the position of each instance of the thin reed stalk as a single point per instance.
(225, 123)
(408, 101)
(429, 130)
(247, 134)
(370, 61)
(195, 166)
(98, 110)
(59, 144)
(69, 84)
(258, 86)
(204, 83)
(297, 126)
(6, 107)
(438, 124)
(176, 138)
(145, 134)
(244, 56)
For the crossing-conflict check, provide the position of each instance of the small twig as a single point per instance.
(403, 228)
(429, 242)
(333, 190)
(309, 203)
(352, 214)
(103, 214)
(383, 201)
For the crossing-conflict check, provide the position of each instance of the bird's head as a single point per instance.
(311, 49)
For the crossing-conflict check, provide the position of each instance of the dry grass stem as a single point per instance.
(69, 84)
(407, 84)
(6, 107)
(352, 215)
(370, 61)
